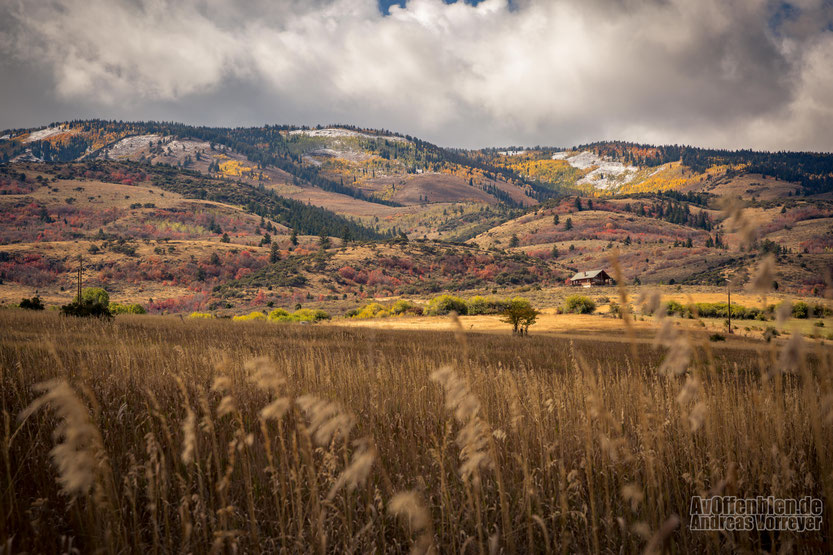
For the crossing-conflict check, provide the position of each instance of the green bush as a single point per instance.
(746, 313)
(94, 302)
(486, 305)
(716, 310)
(579, 304)
(372, 310)
(300, 315)
(310, 315)
(402, 307)
(801, 310)
(377, 310)
(201, 316)
(251, 316)
(31, 304)
(95, 295)
(87, 309)
(770, 333)
(673, 307)
(709, 310)
(118, 308)
(439, 306)
(280, 315)
(821, 311)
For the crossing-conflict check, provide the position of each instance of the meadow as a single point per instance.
(158, 434)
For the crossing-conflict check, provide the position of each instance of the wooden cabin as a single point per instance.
(591, 278)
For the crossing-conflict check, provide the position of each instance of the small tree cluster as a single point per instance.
(32, 304)
(94, 302)
(520, 314)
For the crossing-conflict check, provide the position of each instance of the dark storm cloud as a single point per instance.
(747, 73)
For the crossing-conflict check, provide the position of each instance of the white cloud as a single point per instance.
(541, 72)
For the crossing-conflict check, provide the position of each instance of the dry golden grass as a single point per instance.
(102, 195)
(747, 334)
(794, 236)
(439, 187)
(547, 323)
(155, 434)
(746, 186)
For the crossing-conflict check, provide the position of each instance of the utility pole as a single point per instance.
(729, 310)
(80, 268)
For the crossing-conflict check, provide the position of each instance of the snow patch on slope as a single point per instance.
(137, 145)
(605, 173)
(42, 134)
(335, 132)
(128, 146)
(337, 148)
(26, 156)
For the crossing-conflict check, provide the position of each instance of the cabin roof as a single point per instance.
(587, 275)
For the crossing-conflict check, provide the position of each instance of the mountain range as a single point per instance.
(183, 218)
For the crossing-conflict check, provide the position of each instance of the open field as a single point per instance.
(576, 325)
(335, 439)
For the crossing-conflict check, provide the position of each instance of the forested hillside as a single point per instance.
(184, 218)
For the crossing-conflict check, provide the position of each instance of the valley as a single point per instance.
(182, 219)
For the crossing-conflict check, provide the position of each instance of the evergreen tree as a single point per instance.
(346, 237)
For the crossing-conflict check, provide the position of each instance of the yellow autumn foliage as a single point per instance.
(234, 168)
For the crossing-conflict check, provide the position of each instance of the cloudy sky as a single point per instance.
(737, 74)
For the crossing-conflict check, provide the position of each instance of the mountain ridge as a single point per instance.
(306, 154)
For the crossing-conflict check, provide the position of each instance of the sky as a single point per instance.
(740, 74)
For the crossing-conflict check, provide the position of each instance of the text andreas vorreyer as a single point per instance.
(730, 513)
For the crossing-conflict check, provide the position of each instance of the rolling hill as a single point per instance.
(184, 218)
